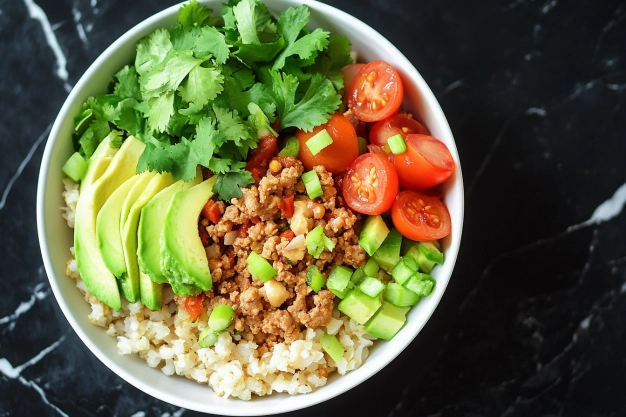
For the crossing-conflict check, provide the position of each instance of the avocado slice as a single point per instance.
(150, 227)
(388, 255)
(99, 162)
(132, 283)
(128, 287)
(183, 259)
(373, 234)
(387, 322)
(94, 273)
(359, 306)
(108, 228)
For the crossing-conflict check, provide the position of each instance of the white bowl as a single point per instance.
(56, 238)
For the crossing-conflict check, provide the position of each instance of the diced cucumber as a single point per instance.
(404, 270)
(421, 284)
(371, 286)
(358, 306)
(388, 255)
(75, 167)
(373, 234)
(387, 322)
(423, 264)
(371, 268)
(399, 296)
(358, 275)
(332, 346)
(431, 252)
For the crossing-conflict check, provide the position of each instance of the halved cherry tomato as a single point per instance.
(349, 72)
(337, 156)
(420, 217)
(427, 162)
(194, 305)
(401, 123)
(370, 184)
(376, 92)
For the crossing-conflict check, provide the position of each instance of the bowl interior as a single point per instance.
(56, 238)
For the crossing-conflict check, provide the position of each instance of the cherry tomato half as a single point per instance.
(401, 123)
(420, 217)
(370, 184)
(376, 92)
(426, 162)
(337, 156)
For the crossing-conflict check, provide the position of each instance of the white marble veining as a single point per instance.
(606, 211)
(41, 291)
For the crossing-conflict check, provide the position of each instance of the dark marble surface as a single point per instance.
(534, 320)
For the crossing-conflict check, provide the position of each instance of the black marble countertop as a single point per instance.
(533, 322)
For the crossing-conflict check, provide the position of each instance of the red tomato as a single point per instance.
(349, 72)
(211, 212)
(259, 158)
(401, 123)
(420, 217)
(337, 156)
(370, 184)
(287, 234)
(194, 305)
(376, 92)
(426, 162)
(286, 206)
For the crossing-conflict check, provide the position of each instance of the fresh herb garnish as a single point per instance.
(187, 95)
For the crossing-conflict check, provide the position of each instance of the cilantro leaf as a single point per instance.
(168, 75)
(208, 137)
(228, 184)
(212, 41)
(192, 14)
(161, 109)
(335, 57)
(127, 83)
(246, 21)
(232, 127)
(151, 51)
(290, 23)
(313, 109)
(182, 38)
(202, 85)
(157, 156)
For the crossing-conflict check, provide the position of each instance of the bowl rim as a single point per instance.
(230, 407)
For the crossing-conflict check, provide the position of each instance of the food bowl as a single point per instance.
(56, 238)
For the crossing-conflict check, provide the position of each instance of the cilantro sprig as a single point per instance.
(188, 93)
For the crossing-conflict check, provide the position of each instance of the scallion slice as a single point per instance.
(404, 270)
(315, 279)
(371, 286)
(221, 317)
(339, 279)
(399, 296)
(315, 242)
(291, 148)
(260, 268)
(319, 141)
(332, 346)
(396, 144)
(312, 184)
(208, 337)
(421, 284)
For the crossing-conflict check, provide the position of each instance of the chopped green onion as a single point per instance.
(421, 284)
(319, 141)
(371, 268)
(396, 144)
(75, 167)
(260, 268)
(316, 242)
(399, 296)
(329, 244)
(358, 275)
(312, 184)
(362, 145)
(332, 346)
(339, 279)
(315, 279)
(260, 121)
(404, 270)
(208, 337)
(291, 148)
(221, 317)
(371, 286)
